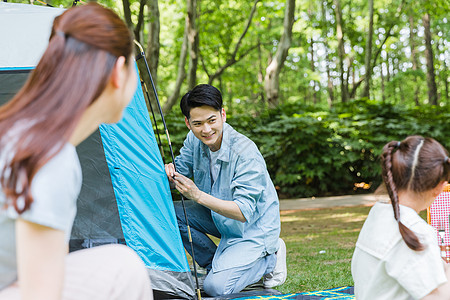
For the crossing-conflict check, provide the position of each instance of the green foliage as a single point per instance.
(311, 152)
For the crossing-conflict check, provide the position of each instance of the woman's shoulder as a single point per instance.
(63, 169)
(55, 190)
(65, 159)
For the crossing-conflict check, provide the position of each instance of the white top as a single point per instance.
(55, 190)
(384, 267)
(213, 165)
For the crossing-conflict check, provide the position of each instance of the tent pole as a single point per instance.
(154, 119)
(139, 56)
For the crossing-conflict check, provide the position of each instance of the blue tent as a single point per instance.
(125, 197)
(143, 196)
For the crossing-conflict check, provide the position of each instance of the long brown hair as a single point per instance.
(84, 45)
(417, 164)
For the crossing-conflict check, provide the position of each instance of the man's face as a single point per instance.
(206, 123)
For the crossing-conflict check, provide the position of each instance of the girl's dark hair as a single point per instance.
(202, 94)
(417, 164)
(84, 45)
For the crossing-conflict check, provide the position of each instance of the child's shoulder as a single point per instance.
(380, 232)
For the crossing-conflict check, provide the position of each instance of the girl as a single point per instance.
(397, 254)
(85, 77)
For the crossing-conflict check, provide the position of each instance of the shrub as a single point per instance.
(312, 152)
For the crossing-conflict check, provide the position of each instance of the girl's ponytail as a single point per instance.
(408, 235)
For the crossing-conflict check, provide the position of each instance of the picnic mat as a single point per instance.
(341, 293)
(439, 215)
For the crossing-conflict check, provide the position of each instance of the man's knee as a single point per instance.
(213, 287)
(216, 285)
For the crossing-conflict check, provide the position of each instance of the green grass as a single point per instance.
(307, 233)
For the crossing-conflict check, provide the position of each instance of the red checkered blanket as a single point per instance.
(439, 214)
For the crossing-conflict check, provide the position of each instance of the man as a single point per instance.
(233, 198)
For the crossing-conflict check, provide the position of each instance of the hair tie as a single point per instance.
(398, 144)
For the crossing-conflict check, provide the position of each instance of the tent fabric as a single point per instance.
(97, 220)
(142, 189)
(11, 80)
(143, 194)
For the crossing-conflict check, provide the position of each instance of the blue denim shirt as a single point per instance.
(242, 178)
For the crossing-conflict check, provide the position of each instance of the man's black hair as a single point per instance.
(202, 94)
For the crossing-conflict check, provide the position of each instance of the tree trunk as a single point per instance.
(402, 94)
(368, 58)
(181, 76)
(330, 97)
(137, 29)
(414, 59)
(347, 78)
(153, 39)
(127, 13)
(341, 51)
(389, 33)
(329, 79)
(397, 90)
(193, 42)
(445, 79)
(431, 81)
(388, 69)
(352, 73)
(383, 95)
(271, 80)
(313, 69)
(260, 76)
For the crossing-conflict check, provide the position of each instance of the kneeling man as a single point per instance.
(232, 197)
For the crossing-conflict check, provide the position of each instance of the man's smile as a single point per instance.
(209, 136)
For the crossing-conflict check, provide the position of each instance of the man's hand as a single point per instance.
(186, 186)
(170, 171)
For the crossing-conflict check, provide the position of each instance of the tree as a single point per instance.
(127, 13)
(341, 51)
(330, 97)
(271, 80)
(414, 60)
(367, 65)
(181, 75)
(329, 46)
(140, 22)
(232, 59)
(153, 44)
(193, 42)
(431, 81)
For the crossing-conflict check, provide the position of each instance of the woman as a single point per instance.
(397, 254)
(85, 77)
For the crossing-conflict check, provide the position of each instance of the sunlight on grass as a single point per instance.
(320, 245)
(287, 219)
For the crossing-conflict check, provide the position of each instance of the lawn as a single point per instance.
(320, 246)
